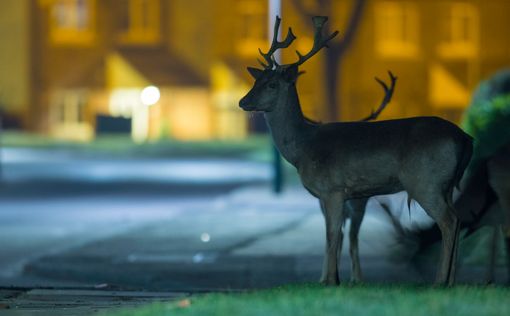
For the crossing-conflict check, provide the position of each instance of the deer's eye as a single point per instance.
(273, 85)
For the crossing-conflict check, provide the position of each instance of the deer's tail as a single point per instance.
(466, 151)
(464, 157)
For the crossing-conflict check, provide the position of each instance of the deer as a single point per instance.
(483, 201)
(484, 198)
(343, 161)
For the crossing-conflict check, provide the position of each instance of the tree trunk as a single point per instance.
(335, 53)
(333, 77)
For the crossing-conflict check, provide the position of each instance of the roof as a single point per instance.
(88, 74)
(162, 67)
(238, 66)
(156, 64)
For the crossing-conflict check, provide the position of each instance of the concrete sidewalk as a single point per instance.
(247, 239)
(244, 240)
(76, 302)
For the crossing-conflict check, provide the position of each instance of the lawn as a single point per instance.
(359, 300)
(254, 147)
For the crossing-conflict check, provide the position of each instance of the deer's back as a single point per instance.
(376, 156)
(399, 137)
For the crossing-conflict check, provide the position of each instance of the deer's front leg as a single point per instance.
(332, 207)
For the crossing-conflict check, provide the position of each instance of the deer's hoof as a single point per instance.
(441, 284)
(356, 280)
(330, 282)
(489, 282)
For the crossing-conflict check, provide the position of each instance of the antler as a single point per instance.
(275, 45)
(388, 93)
(318, 40)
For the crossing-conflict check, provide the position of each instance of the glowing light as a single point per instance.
(205, 237)
(150, 95)
(197, 258)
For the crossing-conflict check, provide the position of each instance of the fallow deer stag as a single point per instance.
(426, 156)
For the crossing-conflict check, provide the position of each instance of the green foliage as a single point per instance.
(357, 300)
(487, 120)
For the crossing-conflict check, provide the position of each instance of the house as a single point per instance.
(66, 65)
(80, 61)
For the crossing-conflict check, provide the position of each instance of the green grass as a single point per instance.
(344, 300)
(23, 139)
(256, 147)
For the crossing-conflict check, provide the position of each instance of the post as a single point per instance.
(274, 9)
(1, 145)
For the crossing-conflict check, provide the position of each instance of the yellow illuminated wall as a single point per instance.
(15, 76)
(189, 113)
(229, 120)
(439, 50)
(120, 74)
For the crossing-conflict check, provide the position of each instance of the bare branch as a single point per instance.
(388, 93)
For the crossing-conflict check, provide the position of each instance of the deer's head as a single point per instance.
(273, 81)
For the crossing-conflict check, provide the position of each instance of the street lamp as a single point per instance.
(150, 95)
(275, 9)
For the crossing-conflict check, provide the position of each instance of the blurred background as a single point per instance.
(126, 160)
(77, 69)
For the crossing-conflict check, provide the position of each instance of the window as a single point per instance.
(72, 21)
(396, 29)
(140, 22)
(68, 114)
(461, 32)
(252, 27)
(69, 106)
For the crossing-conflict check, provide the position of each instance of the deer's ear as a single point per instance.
(255, 72)
(291, 73)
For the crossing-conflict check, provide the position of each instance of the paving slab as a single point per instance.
(248, 239)
(76, 301)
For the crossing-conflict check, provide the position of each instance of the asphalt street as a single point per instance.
(55, 200)
(192, 225)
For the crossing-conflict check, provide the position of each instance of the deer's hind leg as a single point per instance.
(356, 213)
(332, 207)
(506, 232)
(438, 208)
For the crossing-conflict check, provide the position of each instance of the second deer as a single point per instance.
(426, 156)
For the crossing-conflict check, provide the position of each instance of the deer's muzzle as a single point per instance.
(244, 104)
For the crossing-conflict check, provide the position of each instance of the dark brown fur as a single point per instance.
(340, 161)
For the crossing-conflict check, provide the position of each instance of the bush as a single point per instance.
(487, 119)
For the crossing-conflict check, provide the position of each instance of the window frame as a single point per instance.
(136, 32)
(397, 29)
(459, 45)
(247, 44)
(73, 34)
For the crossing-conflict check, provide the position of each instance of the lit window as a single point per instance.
(396, 29)
(68, 115)
(69, 106)
(462, 33)
(252, 26)
(140, 22)
(72, 21)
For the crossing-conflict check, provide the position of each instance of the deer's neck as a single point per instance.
(288, 126)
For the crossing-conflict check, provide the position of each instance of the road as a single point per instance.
(52, 201)
(69, 219)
